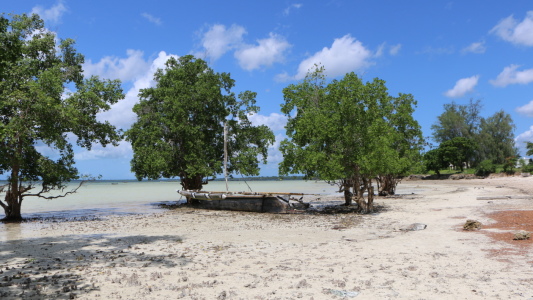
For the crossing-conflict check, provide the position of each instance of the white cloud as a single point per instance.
(47, 151)
(274, 121)
(526, 110)
(52, 14)
(477, 47)
(274, 155)
(266, 53)
(463, 86)
(394, 50)
(345, 55)
(509, 29)
(152, 19)
(123, 150)
(510, 75)
(112, 67)
(283, 77)
(218, 40)
(121, 114)
(287, 10)
(380, 50)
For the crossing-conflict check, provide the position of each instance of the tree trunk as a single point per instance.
(370, 202)
(346, 186)
(387, 185)
(12, 208)
(347, 197)
(359, 188)
(363, 185)
(13, 199)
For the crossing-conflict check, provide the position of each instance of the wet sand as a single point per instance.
(199, 254)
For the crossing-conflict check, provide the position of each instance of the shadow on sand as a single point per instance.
(53, 267)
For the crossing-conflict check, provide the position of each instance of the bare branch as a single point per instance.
(40, 193)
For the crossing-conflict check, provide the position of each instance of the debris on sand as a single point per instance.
(414, 227)
(522, 235)
(341, 293)
(471, 225)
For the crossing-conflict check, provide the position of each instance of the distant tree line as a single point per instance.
(467, 139)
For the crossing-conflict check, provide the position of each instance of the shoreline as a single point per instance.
(202, 254)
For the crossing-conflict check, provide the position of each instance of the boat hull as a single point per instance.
(263, 205)
(253, 202)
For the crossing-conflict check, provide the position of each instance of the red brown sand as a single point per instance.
(511, 221)
(507, 223)
(199, 254)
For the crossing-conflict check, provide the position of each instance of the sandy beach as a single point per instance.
(186, 253)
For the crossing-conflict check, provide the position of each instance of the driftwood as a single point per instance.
(504, 197)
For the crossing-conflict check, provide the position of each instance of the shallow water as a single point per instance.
(96, 199)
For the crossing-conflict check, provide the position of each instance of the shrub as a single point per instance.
(526, 166)
(509, 164)
(485, 168)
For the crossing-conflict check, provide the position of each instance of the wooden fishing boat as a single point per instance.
(244, 201)
(247, 201)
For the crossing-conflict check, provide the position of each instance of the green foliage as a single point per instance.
(525, 165)
(496, 137)
(457, 121)
(528, 168)
(433, 161)
(37, 109)
(457, 151)
(348, 130)
(529, 148)
(509, 164)
(493, 136)
(485, 168)
(180, 126)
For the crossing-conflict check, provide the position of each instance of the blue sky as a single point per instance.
(439, 51)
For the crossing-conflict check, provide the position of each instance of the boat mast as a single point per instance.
(226, 155)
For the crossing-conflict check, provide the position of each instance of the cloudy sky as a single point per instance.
(439, 51)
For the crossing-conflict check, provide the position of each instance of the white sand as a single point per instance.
(200, 254)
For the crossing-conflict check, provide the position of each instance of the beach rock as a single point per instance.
(471, 225)
(522, 235)
(473, 176)
(457, 176)
(416, 177)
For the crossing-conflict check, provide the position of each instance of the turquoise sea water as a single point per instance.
(102, 198)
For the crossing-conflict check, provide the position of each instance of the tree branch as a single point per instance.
(43, 190)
